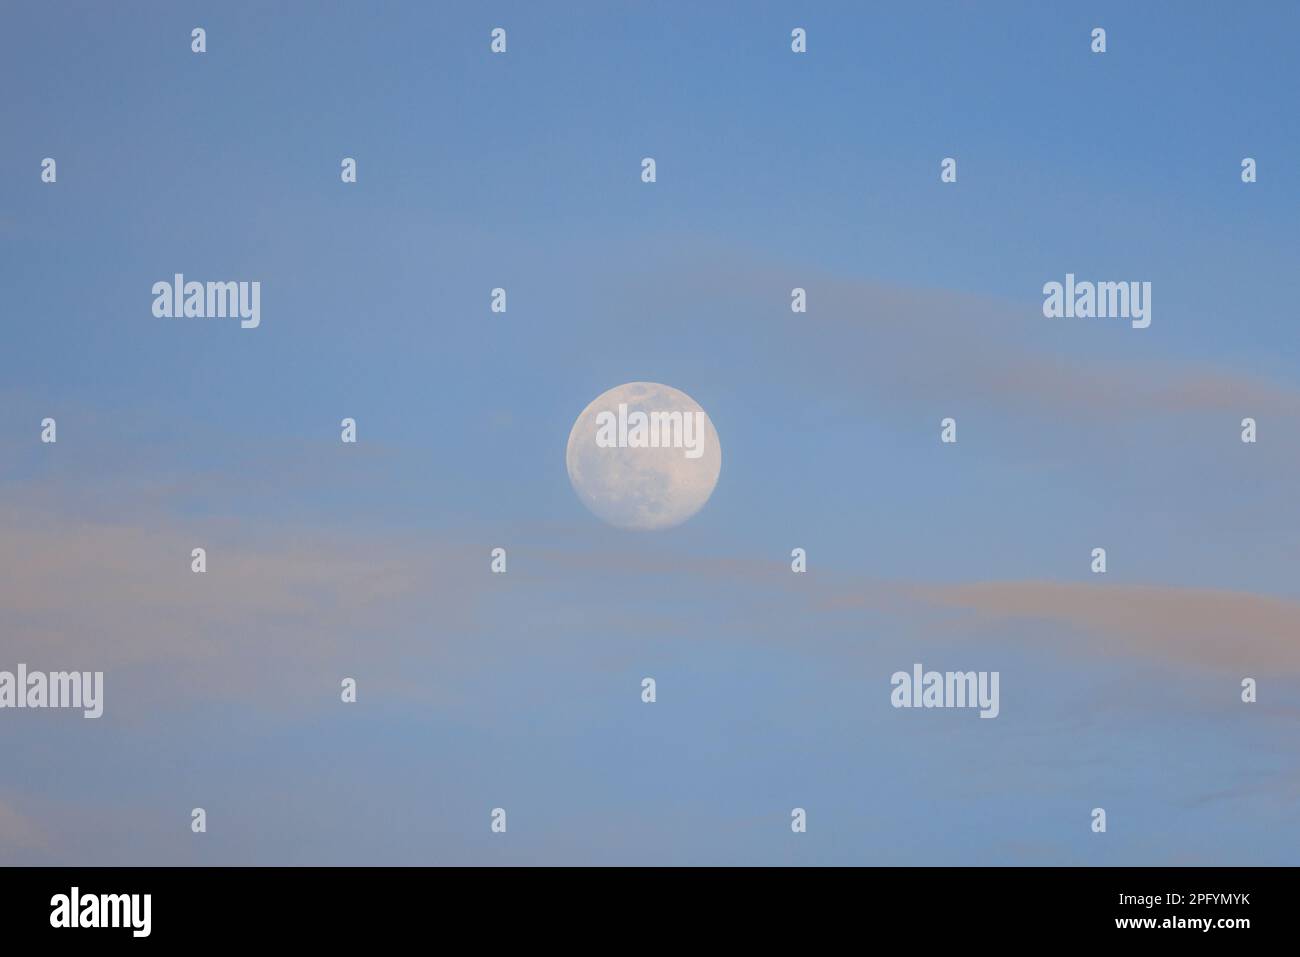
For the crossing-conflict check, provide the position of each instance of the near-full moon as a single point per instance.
(644, 456)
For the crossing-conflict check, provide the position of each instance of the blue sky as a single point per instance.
(774, 170)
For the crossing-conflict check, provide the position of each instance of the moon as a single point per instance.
(643, 488)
